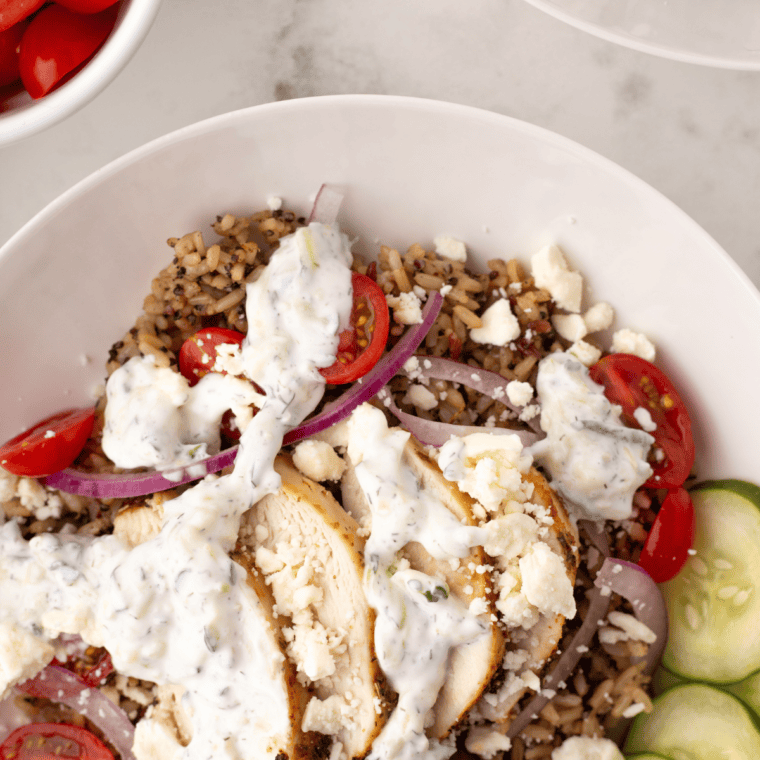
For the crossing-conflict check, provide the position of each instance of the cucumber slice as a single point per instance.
(695, 721)
(748, 691)
(648, 756)
(714, 602)
(663, 679)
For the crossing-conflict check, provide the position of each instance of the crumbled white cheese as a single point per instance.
(324, 715)
(153, 739)
(34, 496)
(22, 656)
(529, 413)
(627, 341)
(587, 748)
(545, 582)
(644, 418)
(450, 248)
(500, 325)
(421, 397)
(510, 535)
(636, 630)
(274, 203)
(406, 308)
(318, 461)
(599, 317)
(487, 467)
(570, 326)
(586, 353)
(486, 742)
(519, 393)
(550, 272)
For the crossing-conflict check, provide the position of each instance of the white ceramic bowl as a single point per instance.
(720, 33)
(74, 278)
(21, 116)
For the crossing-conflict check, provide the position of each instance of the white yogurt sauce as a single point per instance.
(595, 462)
(176, 609)
(417, 623)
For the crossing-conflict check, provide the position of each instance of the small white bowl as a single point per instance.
(719, 33)
(73, 279)
(22, 116)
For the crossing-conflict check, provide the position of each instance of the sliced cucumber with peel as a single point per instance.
(695, 721)
(714, 602)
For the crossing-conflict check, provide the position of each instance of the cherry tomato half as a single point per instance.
(53, 741)
(93, 668)
(635, 383)
(49, 446)
(198, 353)
(86, 6)
(9, 42)
(56, 42)
(362, 345)
(13, 11)
(671, 536)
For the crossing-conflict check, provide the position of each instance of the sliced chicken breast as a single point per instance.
(472, 665)
(309, 554)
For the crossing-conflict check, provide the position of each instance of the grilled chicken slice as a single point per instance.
(472, 665)
(310, 555)
(534, 648)
(137, 523)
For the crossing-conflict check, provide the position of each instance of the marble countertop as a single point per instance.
(691, 132)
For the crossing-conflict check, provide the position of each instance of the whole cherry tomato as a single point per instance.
(49, 446)
(635, 383)
(671, 536)
(56, 42)
(45, 741)
(361, 346)
(13, 11)
(86, 6)
(198, 353)
(9, 42)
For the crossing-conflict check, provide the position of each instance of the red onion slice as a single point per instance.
(435, 433)
(490, 384)
(597, 611)
(109, 486)
(61, 685)
(635, 585)
(597, 535)
(326, 205)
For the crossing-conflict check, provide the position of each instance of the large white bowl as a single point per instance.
(21, 116)
(720, 33)
(74, 278)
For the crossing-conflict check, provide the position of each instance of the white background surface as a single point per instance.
(691, 132)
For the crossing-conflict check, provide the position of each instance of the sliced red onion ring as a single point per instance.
(635, 585)
(597, 535)
(597, 611)
(109, 486)
(488, 383)
(326, 205)
(61, 685)
(434, 433)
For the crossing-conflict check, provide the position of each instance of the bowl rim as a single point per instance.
(443, 108)
(132, 26)
(651, 48)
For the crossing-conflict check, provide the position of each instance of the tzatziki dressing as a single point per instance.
(418, 622)
(595, 462)
(176, 609)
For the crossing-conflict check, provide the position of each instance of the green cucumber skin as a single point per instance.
(648, 756)
(748, 491)
(746, 496)
(739, 741)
